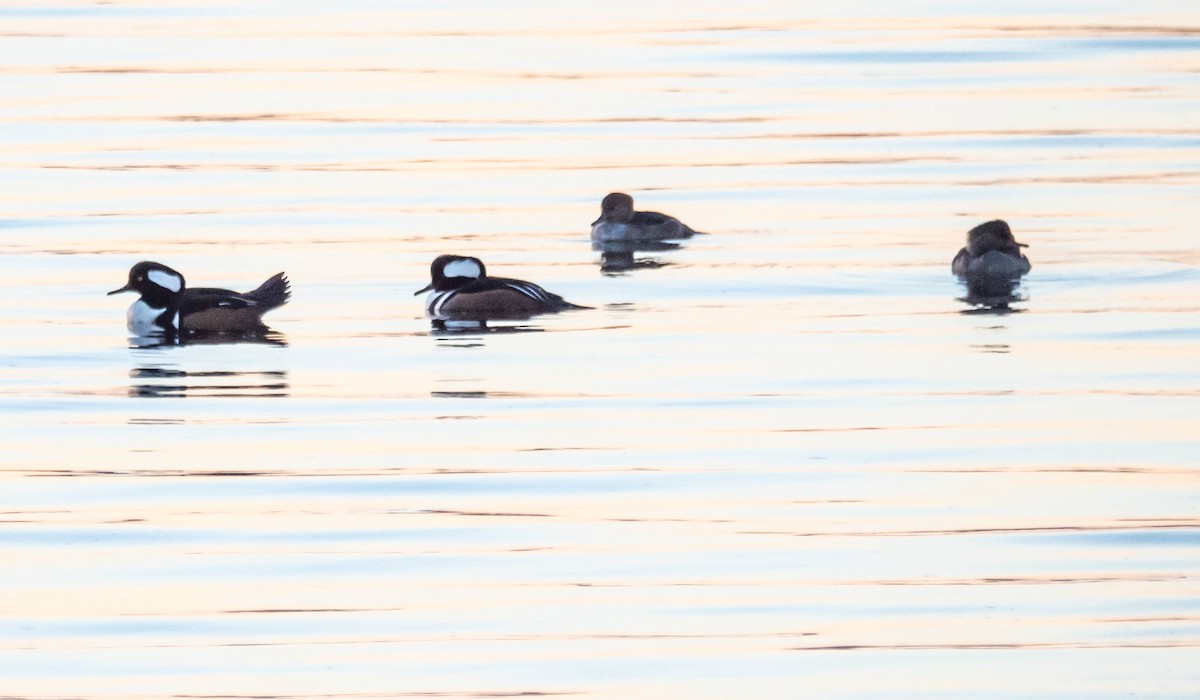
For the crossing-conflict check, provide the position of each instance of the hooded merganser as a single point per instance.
(991, 253)
(168, 306)
(619, 222)
(461, 289)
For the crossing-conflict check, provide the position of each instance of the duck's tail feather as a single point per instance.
(273, 293)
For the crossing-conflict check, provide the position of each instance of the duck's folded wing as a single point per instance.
(494, 284)
(650, 218)
(667, 226)
(197, 299)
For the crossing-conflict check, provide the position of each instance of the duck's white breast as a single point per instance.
(140, 318)
(433, 302)
(608, 231)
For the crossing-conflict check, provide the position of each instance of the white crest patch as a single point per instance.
(169, 282)
(462, 268)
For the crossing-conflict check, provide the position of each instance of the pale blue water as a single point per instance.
(783, 460)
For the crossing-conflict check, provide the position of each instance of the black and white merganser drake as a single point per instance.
(168, 306)
(461, 289)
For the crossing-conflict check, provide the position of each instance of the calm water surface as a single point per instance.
(787, 459)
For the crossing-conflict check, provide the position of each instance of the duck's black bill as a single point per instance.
(126, 288)
(424, 289)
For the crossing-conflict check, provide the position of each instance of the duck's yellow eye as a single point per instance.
(140, 278)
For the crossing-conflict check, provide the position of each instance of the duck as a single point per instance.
(619, 222)
(462, 289)
(991, 253)
(167, 306)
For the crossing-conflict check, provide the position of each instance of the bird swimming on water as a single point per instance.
(991, 252)
(168, 306)
(619, 222)
(462, 289)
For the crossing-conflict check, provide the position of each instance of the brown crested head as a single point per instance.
(616, 208)
(992, 235)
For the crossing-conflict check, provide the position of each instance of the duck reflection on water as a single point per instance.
(617, 257)
(157, 382)
(158, 375)
(167, 339)
(465, 328)
(993, 298)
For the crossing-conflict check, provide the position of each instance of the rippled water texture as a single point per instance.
(787, 458)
